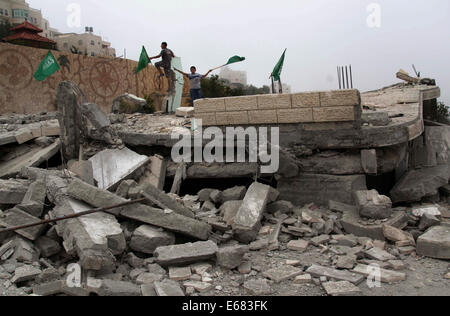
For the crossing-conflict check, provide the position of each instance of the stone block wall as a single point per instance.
(101, 79)
(309, 107)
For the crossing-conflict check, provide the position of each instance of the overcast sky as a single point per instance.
(319, 35)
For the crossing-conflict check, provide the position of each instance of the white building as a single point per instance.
(86, 43)
(19, 11)
(286, 88)
(233, 76)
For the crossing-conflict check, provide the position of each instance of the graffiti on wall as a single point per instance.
(101, 79)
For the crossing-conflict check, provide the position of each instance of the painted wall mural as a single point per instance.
(101, 79)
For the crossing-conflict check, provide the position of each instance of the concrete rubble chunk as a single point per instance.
(229, 210)
(84, 170)
(231, 257)
(420, 183)
(25, 273)
(107, 287)
(199, 286)
(95, 115)
(258, 287)
(298, 245)
(34, 199)
(203, 195)
(111, 166)
(420, 211)
(303, 279)
(156, 173)
(47, 247)
(48, 289)
(435, 243)
(386, 276)
(282, 273)
(185, 112)
(180, 273)
(146, 239)
(284, 207)
(129, 104)
(148, 278)
(13, 191)
(167, 201)
(234, 194)
(379, 254)
(340, 275)
(168, 288)
(373, 205)
(185, 253)
(15, 217)
(351, 222)
(341, 288)
(216, 196)
(248, 219)
(394, 234)
(171, 221)
(428, 221)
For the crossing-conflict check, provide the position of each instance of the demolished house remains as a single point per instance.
(92, 203)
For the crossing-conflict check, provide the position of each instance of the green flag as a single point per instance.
(143, 60)
(279, 68)
(48, 67)
(235, 59)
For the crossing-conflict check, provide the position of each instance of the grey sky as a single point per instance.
(319, 35)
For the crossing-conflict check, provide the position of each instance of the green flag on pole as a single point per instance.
(279, 68)
(235, 59)
(48, 67)
(143, 60)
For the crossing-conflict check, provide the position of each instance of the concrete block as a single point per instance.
(24, 135)
(113, 288)
(185, 112)
(208, 119)
(340, 98)
(180, 273)
(168, 288)
(245, 103)
(232, 118)
(13, 191)
(369, 161)
(95, 115)
(231, 257)
(158, 168)
(263, 117)
(340, 275)
(342, 288)
(209, 105)
(185, 253)
(435, 243)
(248, 219)
(334, 114)
(146, 239)
(373, 205)
(304, 115)
(84, 170)
(25, 273)
(274, 101)
(306, 100)
(282, 273)
(386, 276)
(16, 217)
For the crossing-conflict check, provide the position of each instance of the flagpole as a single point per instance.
(280, 88)
(273, 85)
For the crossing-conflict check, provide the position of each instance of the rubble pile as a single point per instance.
(140, 240)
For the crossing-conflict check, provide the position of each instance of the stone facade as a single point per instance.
(310, 107)
(101, 79)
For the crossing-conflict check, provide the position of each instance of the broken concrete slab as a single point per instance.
(248, 219)
(180, 273)
(420, 183)
(185, 253)
(352, 224)
(25, 273)
(231, 257)
(379, 254)
(34, 199)
(229, 210)
(258, 287)
(168, 288)
(435, 243)
(386, 276)
(200, 287)
(397, 235)
(156, 172)
(13, 191)
(298, 245)
(180, 176)
(185, 112)
(84, 170)
(284, 207)
(373, 205)
(146, 239)
(428, 221)
(16, 217)
(282, 273)
(111, 166)
(32, 158)
(234, 194)
(107, 287)
(47, 247)
(341, 288)
(95, 115)
(165, 201)
(340, 275)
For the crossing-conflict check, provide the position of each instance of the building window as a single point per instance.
(1, 11)
(6, 12)
(92, 43)
(92, 54)
(19, 13)
(66, 45)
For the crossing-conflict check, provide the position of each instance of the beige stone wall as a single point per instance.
(309, 107)
(101, 79)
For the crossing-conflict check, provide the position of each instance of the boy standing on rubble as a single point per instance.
(195, 80)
